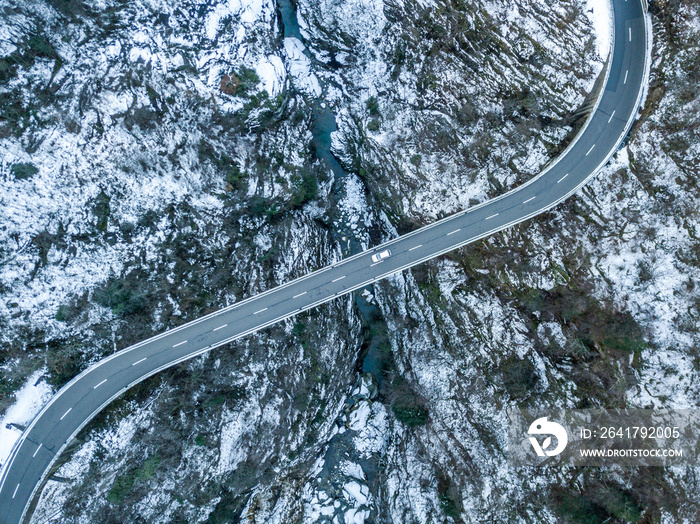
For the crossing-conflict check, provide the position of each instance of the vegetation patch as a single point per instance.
(124, 296)
(101, 211)
(408, 407)
(305, 188)
(35, 46)
(599, 502)
(410, 413)
(241, 83)
(64, 360)
(519, 377)
(448, 498)
(23, 171)
(124, 484)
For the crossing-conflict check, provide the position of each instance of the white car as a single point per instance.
(378, 257)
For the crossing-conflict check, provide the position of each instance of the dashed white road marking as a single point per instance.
(529, 200)
(15, 493)
(453, 232)
(98, 385)
(260, 311)
(37, 450)
(630, 34)
(64, 415)
(626, 73)
(372, 265)
(339, 278)
(562, 178)
(139, 361)
(220, 327)
(416, 247)
(494, 215)
(180, 343)
(299, 295)
(591, 149)
(611, 116)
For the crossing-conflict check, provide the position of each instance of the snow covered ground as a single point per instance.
(29, 400)
(600, 14)
(154, 183)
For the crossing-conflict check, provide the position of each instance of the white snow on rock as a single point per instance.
(140, 54)
(359, 415)
(236, 424)
(300, 67)
(352, 470)
(357, 492)
(353, 205)
(272, 74)
(114, 49)
(356, 516)
(371, 437)
(245, 11)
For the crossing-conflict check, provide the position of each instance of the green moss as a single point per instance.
(519, 377)
(101, 210)
(449, 506)
(623, 334)
(13, 114)
(39, 46)
(262, 207)
(23, 171)
(305, 188)
(121, 487)
(248, 79)
(148, 469)
(599, 502)
(372, 106)
(233, 176)
(448, 502)
(124, 296)
(63, 313)
(63, 361)
(620, 504)
(217, 400)
(124, 484)
(411, 415)
(578, 510)
(228, 508)
(299, 329)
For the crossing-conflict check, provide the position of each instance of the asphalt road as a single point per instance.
(75, 404)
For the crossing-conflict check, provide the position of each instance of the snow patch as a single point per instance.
(272, 74)
(300, 67)
(599, 13)
(29, 400)
(352, 470)
(357, 492)
(359, 416)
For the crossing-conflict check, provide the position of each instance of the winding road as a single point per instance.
(88, 393)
